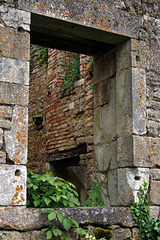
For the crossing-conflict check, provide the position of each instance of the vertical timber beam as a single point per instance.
(14, 84)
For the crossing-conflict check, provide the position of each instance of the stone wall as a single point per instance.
(130, 36)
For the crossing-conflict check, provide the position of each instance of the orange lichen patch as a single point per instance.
(6, 169)
(2, 101)
(14, 181)
(15, 199)
(0, 210)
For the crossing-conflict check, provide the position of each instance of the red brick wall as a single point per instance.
(68, 121)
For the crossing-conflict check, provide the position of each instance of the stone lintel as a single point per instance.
(104, 16)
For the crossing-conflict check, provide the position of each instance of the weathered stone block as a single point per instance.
(155, 174)
(113, 187)
(97, 125)
(139, 101)
(14, 44)
(101, 93)
(16, 138)
(5, 111)
(124, 120)
(154, 192)
(7, 235)
(125, 151)
(142, 152)
(121, 234)
(129, 182)
(108, 119)
(16, 18)
(12, 185)
(1, 138)
(37, 235)
(14, 71)
(105, 67)
(154, 212)
(136, 234)
(123, 56)
(146, 151)
(105, 156)
(5, 124)
(13, 94)
(2, 157)
(140, 54)
(31, 218)
(3, 8)
(153, 128)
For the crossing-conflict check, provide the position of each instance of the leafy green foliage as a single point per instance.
(49, 191)
(149, 228)
(72, 73)
(43, 55)
(95, 198)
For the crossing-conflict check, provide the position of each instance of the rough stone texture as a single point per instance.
(123, 56)
(16, 18)
(154, 212)
(14, 71)
(7, 235)
(113, 187)
(124, 118)
(154, 192)
(129, 182)
(155, 174)
(5, 124)
(139, 101)
(121, 233)
(135, 232)
(146, 151)
(1, 138)
(13, 94)
(105, 67)
(125, 151)
(10, 38)
(2, 157)
(16, 138)
(5, 111)
(28, 218)
(97, 125)
(101, 93)
(12, 185)
(105, 156)
(104, 16)
(108, 118)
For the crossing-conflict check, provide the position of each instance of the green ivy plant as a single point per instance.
(95, 197)
(47, 191)
(149, 227)
(72, 73)
(43, 56)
